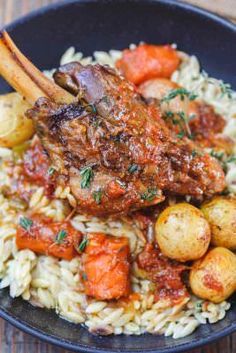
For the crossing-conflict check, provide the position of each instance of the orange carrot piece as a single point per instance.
(148, 61)
(43, 236)
(106, 267)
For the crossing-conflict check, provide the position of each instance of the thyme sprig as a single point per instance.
(60, 237)
(87, 175)
(181, 92)
(26, 223)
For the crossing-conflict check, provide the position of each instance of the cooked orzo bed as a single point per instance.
(52, 283)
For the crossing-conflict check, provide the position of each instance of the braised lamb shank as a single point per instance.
(112, 149)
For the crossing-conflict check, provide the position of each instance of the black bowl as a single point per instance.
(101, 25)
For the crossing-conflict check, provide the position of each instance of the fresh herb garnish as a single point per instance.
(84, 276)
(181, 119)
(169, 114)
(194, 153)
(181, 92)
(91, 108)
(51, 171)
(83, 244)
(133, 168)
(181, 134)
(149, 195)
(60, 237)
(217, 155)
(231, 159)
(184, 120)
(97, 196)
(226, 90)
(87, 175)
(26, 223)
(198, 306)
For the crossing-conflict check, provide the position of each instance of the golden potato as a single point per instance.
(214, 276)
(159, 88)
(221, 215)
(15, 128)
(182, 232)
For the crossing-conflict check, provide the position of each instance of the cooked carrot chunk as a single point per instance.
(106, 267)
(148, 61)
(43, 236)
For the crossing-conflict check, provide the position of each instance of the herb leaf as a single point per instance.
(133, 168)
(87, 175)
(83, 244)
(26, 223)
(217, 155)
(51, 171)
(60, 237)
(181, 92)
(97, 196)
(149, 195)
(231, 159)
(226, 90)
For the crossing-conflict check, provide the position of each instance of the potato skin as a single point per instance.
(15, 128)
(221, 215)
(214, 276)
(182, 232)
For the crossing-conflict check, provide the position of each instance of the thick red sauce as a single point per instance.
(36, 167)
(165, 273)
(211, 282)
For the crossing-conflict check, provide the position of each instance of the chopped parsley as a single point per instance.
(83, 244)
(181, 92)
(180, 134)
(194, 153)
(97, 196)
(26, 223)
(91, 108)
(184, 120)
(149, 195)
(51, 171)
(84, 276)
(87, 175)
(181, 119)
(60, 237)
(231, 159)
(169, 114)
(198, 306)
(217, 155)
(226, 90)
(133, 168)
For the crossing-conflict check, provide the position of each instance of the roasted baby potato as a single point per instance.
(159, 88)
(214, 276)
(182, 232)
(15, 128)
(221, 215)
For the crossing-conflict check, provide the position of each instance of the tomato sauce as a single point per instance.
(36, 167)
(166, 274)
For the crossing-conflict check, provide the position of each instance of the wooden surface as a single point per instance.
(15, 341)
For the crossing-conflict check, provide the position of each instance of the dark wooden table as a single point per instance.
(15, 341)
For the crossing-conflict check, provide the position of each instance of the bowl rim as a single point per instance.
(78, 347)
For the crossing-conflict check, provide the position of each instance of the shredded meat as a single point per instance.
(112, 143)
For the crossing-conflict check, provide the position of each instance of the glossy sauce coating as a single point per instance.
(121, 145)
(46, 237)
(36, 167)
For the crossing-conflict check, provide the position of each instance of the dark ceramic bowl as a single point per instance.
(100, 25)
